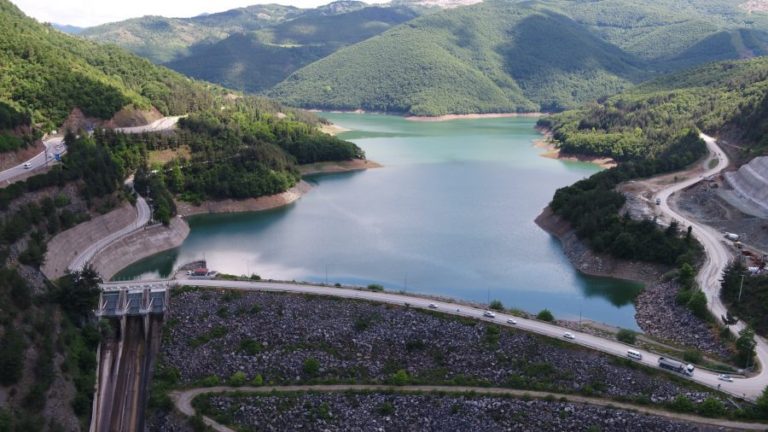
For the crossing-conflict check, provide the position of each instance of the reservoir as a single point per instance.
(450, 213)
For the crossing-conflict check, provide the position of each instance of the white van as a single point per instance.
(634, 355)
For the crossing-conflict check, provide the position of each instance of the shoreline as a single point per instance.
(590, 263)
(552, 152)
(439, 118)
(449, 117)
(269, 202)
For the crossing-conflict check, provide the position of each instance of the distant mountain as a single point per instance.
(258, 60)
(164, 39)
(525, 55)
(70, 29)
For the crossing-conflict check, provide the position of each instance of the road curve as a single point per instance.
(717, 258)
(183, 400)
(37, 161)
(142, 218)
(708, 278)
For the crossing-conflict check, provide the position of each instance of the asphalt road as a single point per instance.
(142, 218)
(165, 123)
(36, 162)
(717, 258)
(708, 278)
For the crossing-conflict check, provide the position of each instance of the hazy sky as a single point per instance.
(86, 13)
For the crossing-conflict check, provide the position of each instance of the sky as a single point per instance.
(86, 13)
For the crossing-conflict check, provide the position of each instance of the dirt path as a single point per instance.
(183, 400)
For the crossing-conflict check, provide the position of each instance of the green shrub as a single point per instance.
(545, 315)
(375, 287)
(400, 378)
(257, 381)
(692, 356)
(386, 409)
(311, 367)
(237, 379)
(626, 336)
(496, 305)
(711, 407)
(210, 381)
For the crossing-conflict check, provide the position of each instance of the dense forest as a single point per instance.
(47, 73)
(544, 55)
(644, 121)
(752, 307)
(592, 207)
(258, 60)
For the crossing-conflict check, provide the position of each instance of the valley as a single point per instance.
(384, 216)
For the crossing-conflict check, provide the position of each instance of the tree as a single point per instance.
(745, 347)
(79, 292)
(496, 305)
(237, 379)
(12, 349)
(698, 304)
(545, 315)
(686, 275)
(761, 404)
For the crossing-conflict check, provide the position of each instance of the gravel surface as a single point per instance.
(658, 314)
(273, 335)
(390, 412)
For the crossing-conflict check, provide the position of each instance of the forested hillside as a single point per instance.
(163, 39)
(256, 61)
(235, 146)
(644, 121)
(523, 56)
(45, 74)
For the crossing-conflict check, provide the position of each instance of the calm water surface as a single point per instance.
(451, 213)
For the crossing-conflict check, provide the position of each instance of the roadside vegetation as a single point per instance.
(746, 296)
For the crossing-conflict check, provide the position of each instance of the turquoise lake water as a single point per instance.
(450, 213)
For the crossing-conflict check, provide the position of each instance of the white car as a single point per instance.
(569, 335)
(432, 306)
(726, 378)
(489, 314)
(27, 165)
(511, 321)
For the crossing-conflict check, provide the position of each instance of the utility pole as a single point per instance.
(741, 287)
(326, 274)
(406, 282)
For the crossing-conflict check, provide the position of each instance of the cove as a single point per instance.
(450, 213)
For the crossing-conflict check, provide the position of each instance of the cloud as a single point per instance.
(86, 13)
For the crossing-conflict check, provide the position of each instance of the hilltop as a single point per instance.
(255, 61)
(524, 56)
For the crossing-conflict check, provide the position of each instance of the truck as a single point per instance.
(676, 366)
(732, 236)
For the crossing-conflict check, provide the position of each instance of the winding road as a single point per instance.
(708, 279)
(183, 400)
(143, 214)
(717, 258)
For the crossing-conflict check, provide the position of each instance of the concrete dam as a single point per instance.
(127, 355)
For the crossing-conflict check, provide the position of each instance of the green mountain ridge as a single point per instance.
(541, 55)
(258, 60)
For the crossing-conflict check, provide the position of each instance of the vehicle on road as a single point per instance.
(432, 306)
(676, 366)
(489, 314)
(726, 378)
(569, 335)
(512, 321)
(27, 165)
(732, 236)
(658, 201)
(635, 355)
